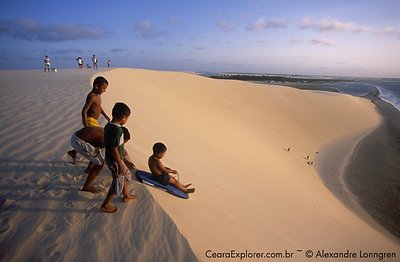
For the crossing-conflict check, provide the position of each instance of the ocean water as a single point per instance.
(389, 90)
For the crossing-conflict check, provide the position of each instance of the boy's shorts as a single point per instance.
(94, 154)
(117, 184)
(92, 122)
(163, 179)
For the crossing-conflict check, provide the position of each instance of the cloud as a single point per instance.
(262, 24)
(386, 31)
(118, 50)
(30, 30)
(296, 40)
(67, 51)
(323, 41)
(147, 31)
(201, 48)
(172, 20)
(225, 26)
(328, 24)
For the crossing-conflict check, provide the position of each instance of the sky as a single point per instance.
(313, 37)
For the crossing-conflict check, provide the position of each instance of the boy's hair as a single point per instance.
(120, 110)
(99, 81)
(159, 148)
(127, 135)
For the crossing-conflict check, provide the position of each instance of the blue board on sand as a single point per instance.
(145, 178)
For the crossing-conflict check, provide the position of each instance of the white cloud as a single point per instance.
(225, 26)
(328, 24)
(147, 30)
(296, 40)
(172, 20)
(386, 31)
(30, 30)
(262, 24)
(323, 41)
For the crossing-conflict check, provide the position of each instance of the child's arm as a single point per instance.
(105, 115)
(164, 169)
(171, 170)
(85, 109)
(127, 161)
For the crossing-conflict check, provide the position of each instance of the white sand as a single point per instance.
(45, 217)
(226, 137)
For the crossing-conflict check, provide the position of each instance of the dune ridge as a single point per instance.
(230, 138)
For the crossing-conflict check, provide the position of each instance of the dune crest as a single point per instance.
(231, 140)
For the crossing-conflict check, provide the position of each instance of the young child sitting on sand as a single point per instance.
(89, 142)
(114, 144)
(160, 173)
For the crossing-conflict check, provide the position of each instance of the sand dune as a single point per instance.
(43, 215)
(228, 138)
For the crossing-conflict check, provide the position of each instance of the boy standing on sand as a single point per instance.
(92, 109)
(114, 144)
(160, 173)
(89, 142)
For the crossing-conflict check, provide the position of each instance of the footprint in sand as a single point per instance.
(55, 193)
(45, 228)
(69, 205)
(5, 225)
(71, 221)
(40, 182)
(54, 256)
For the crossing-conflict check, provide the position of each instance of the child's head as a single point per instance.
(120, 113)
(100, 84)
(127, 135)
(159, 149)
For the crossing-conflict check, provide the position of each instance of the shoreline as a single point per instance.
(353, 178)
(372, 172)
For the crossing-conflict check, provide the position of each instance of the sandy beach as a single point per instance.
(229, 138)
(377, 185)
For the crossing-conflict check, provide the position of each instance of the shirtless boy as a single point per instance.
(89, 142)
(160, 173)
(92, 109)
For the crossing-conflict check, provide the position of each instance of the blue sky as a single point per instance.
(348, 38)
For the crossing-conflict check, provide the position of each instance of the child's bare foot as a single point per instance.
(190, 190)
(72, 154)
(188, 185)
(91, 189)
(109, 209)
(128, 198)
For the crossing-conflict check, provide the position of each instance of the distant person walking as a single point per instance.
(108, 63)
(95, 61)
(47, 63)
(80, 62)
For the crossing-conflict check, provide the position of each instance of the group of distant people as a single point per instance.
(95, 61)
(106, 145)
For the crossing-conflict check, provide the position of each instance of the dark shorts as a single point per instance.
(117, 184)
(163, 179)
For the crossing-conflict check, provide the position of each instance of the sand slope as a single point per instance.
(43, 215)
(229, 139)
(226, 137)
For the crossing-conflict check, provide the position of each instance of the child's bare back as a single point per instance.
(161, 173)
